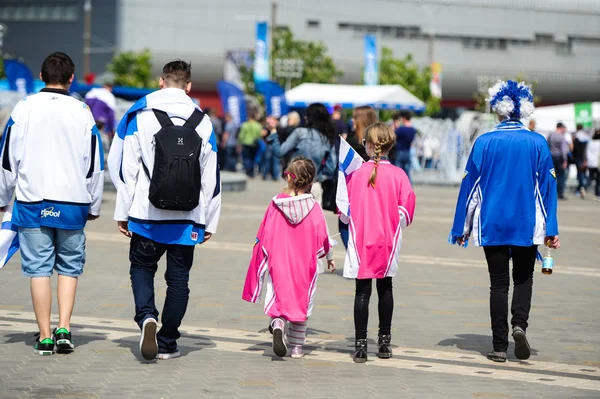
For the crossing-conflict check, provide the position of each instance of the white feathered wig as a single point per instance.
(511, 100)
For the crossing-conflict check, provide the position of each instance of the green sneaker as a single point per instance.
(64, 343)
(44, 347)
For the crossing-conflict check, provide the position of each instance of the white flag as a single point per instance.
(9, 242)
(349, 161)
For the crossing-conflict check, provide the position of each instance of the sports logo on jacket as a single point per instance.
(465, 174)
(256, 242)
(553, 173)
(194, 235)
(49, 212)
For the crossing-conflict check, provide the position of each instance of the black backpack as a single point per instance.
(175, 180)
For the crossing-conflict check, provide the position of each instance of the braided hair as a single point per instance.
(301, 172)
(383, 139)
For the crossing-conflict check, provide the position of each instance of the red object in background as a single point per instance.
(208, 99)
(89, 78)
(458, 103)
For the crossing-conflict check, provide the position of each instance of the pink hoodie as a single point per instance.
(377, 217)
(291, 238)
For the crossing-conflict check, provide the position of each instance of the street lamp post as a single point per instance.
(3, 30)
(432, 16)
(288, 68)
(87, 36)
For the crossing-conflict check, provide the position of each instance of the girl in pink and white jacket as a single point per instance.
(291, 239)
(382, 204)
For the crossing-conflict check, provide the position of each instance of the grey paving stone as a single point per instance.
(440, 306)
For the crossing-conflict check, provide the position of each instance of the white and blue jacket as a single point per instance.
(134, 143)
(508, 193)
(52, 155)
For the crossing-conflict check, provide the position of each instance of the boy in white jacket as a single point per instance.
(163, 162)
(52, 156)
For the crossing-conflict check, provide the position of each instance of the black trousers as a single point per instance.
(498, 266)
(361, 306)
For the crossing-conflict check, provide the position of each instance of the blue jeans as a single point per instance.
(144, 255)
(271, 164)
(561, 176)
(403, 161)
(231, 158)
(45, 249)
(581, 176)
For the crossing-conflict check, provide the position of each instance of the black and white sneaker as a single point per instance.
(43, 347)
(522, 349)
(63, 340)
(498, 357)
(148, 343)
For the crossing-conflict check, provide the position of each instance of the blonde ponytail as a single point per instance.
(376, 159)
(383, 139)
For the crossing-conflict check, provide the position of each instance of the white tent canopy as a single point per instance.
(349, 96)
(546, 118)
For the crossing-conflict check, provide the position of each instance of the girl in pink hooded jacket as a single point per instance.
(291, 238)
(382, 203)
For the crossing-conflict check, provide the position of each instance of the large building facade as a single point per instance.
(555, 43)
(35, 28)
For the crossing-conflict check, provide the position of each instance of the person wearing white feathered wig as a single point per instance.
(507, 205)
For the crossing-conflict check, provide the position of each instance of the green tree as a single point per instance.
(406, 72)
(318, 66)
(480, 97)
(133, 69)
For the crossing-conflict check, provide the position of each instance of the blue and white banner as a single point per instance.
(274, 98)
(232, 101)
(19, 77)
(261, 53)
(349, 161)
(9, 241)
(371, 74)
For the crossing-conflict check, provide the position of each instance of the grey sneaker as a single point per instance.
(522, 349)
(279, 346)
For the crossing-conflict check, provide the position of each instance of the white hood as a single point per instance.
(582, 136)
(295, 209)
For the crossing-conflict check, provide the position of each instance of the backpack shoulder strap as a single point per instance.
(163, 118)
(194, 120)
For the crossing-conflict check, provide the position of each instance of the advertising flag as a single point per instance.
(232, 101)
(274, 98)
(261, 53)
(371, 74)
(19, 77)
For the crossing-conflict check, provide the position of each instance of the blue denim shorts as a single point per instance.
(45, 249)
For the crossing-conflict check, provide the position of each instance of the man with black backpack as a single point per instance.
(163, 162)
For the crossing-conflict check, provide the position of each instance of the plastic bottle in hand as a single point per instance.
(548, 262)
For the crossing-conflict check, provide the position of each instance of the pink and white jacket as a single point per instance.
(291, 238)
(377, 217)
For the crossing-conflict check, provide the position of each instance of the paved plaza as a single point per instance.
(441, 328)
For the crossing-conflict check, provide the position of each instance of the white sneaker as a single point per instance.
(148, 343)
(167, 356)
